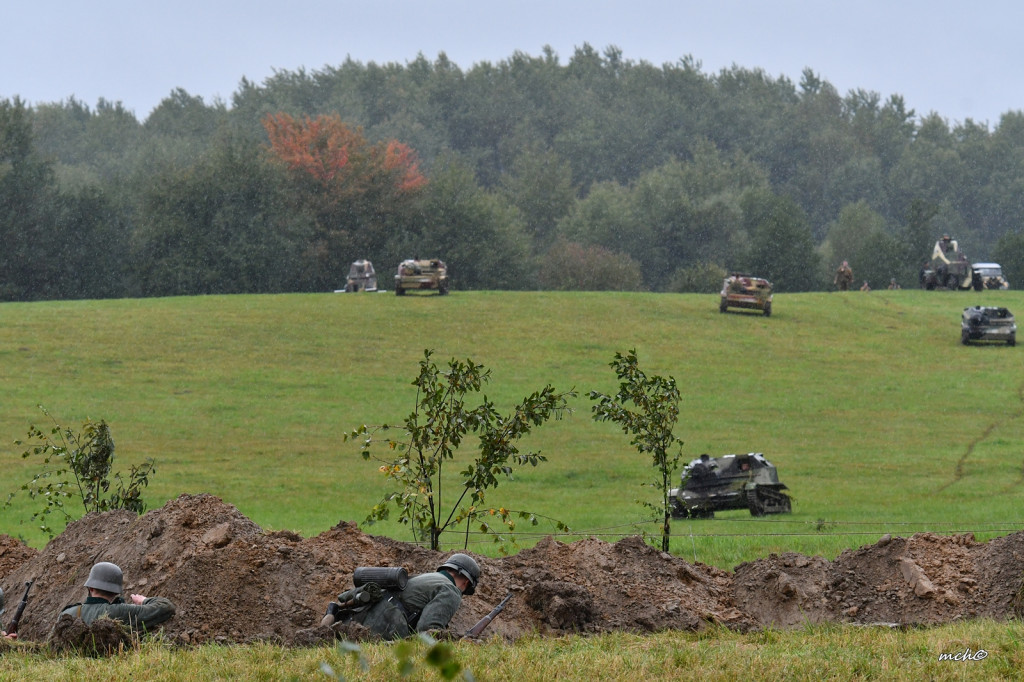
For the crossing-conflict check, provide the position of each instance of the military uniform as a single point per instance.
(424, 602)
(144, 616)
(435, 597)
(428, 602)
(844, 277)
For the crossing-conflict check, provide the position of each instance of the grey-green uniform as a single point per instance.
(105, 583)
(428, 602)
(435, 597)
(144, 616)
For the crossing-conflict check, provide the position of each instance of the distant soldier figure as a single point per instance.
(945, 245)
(844, 277)
(893, 284)
(865, 286)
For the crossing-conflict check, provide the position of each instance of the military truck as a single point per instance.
(740, 290)
(361, 277)
(711, 484)
(417, 274)
(988, 323)
(949, 268)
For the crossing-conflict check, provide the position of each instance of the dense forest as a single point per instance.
(598, 173)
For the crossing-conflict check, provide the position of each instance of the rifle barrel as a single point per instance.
(486, 620)
(13, 627)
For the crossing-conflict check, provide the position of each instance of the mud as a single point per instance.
(233, 582)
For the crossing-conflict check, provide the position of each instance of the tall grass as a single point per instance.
(810, 653)
(878, 419)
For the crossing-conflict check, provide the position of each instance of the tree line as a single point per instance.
(530, 173)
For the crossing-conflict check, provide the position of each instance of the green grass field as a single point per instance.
(877, 418)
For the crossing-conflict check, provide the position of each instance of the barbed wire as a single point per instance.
(822, 529)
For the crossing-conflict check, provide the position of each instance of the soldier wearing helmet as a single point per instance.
(435, 597)
(105, 584)
(426, 603)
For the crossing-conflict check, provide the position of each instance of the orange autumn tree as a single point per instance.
(355, 191)
(400, 160)
(319, 147)
(340, 158)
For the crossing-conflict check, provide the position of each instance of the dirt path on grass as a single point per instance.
(233, 582)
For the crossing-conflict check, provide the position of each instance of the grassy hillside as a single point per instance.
(878, 419)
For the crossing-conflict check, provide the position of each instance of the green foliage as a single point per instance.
(78, 465)
(479, 234)
(569, 266)
(223, 225)
(874, 253)
(541, 143)
(1009, 253)
(540, 186)
(437, 655)
(703, 278)
(432, 435)
(350, 649)
(781, 249)
(656, 409)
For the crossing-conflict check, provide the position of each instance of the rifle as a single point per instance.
(486, 620)
(13, 626)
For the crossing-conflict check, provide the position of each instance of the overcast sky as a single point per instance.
(961, 60)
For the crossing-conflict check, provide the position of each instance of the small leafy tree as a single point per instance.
(78, 465)
(433, 433)
(656, 410)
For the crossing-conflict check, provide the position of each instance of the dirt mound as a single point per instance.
(13, 554)
(234, 582)
(922, 580)
(594, 586)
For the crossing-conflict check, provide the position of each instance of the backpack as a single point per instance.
(381, 611)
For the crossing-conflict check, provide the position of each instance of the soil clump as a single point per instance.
(233, 582)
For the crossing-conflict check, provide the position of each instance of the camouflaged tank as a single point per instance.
(417, 275)
(711, 484)
(740, 290)
(988, 323)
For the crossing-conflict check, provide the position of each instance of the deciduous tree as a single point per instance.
(355, 190)
(650, 422)
(431, 437)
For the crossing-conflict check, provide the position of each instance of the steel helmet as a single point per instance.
(106, 576)
(464, 565)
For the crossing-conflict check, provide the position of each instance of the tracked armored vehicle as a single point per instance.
(417, 275)
(988, 323)
(711, 484)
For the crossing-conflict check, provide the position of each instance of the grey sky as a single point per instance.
(958, 59)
